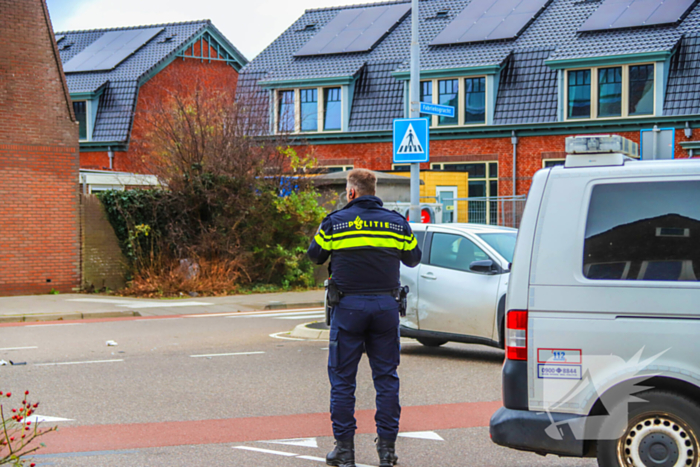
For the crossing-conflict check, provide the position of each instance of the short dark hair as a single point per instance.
(363, 181)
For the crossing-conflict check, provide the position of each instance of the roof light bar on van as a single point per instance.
(516, 335)
(599, 150)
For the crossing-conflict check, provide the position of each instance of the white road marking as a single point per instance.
(44, 418)
(422, 435)
(20, 348)
(139, 304)
(79, 363)
(305, 442)
(302, 317)
(278, 335)
(244, 313)
(278, 314)
(225, 354)
(266, 451)
(54, 324)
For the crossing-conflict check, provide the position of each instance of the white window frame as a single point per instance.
(544, 161)
(460, 100)
(395, 166)
(595, 90)
(343, 168)
(88, 118)
(297, 109)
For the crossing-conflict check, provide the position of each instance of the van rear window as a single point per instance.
(643, 231)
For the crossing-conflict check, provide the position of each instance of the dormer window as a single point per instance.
(466, 95)
(610, 92)
(80, 108)
(309, 110)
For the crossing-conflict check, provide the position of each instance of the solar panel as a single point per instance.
(110, 50)
(616, 14)
(355, 30)
(488, 20)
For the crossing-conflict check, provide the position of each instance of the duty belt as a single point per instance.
(389, 293)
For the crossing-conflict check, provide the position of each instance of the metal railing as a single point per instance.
(495, 210)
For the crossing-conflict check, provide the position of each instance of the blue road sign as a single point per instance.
(411, 140)
(437, 109)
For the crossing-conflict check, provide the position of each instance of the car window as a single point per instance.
(454, 252)
(643, 231)
(503, 243)
(420, 235)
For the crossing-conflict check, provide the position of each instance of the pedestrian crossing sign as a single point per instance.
(410, 140)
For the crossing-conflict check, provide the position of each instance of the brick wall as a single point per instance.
(39, 223)
(104, 264)
(180, 77)
(532, 150)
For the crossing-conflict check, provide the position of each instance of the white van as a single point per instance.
(603, 320)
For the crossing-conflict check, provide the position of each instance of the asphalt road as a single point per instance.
(223, 390)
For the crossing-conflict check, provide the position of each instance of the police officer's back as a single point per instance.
(366, 243)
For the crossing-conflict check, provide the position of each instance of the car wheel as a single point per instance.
(663, 432)
(431, 341)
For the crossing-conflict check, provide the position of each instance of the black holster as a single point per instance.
(333, 296)
(400, 295)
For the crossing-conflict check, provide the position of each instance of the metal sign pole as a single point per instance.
(414, 97)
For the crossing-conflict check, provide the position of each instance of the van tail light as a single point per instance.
(516, 335)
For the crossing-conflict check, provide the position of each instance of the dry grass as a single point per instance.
(166, 278)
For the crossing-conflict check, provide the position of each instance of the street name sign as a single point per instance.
(437, 109)
(411, 140)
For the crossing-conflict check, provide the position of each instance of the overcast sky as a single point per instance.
(250, 25)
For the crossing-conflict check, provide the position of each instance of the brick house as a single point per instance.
(39, 207)
(116, 76)
(522, 77)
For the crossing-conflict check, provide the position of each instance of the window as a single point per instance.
(80, 110)
(454, 252)
(547, 163)
(483, 183)
(474, 100)
(579, 94)
(641, 90)
(466, 95)
(610, 92)
(309, 109)
(336, 168)
(643, 231)
(426, 92)
(285, 117)
(332, 111)
(448, 90)
(401, 167)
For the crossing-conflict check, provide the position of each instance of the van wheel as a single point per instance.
(663, 432)
(431, 341)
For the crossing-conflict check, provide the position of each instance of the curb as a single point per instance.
(283, 305)
(69, 316)
(302, 331)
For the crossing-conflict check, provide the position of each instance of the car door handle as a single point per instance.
(429, 276)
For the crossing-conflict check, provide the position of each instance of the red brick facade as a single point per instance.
(532, 151)
(39, 205)
(181, 77)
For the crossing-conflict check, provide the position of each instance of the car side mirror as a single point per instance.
(485, 266)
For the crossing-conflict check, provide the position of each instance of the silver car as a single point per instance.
(457, 292)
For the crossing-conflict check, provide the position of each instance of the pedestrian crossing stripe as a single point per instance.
(410, 143)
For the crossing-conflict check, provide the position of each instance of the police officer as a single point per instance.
(366, 243)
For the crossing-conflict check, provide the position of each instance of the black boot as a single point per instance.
(387, 453)
(343, 455)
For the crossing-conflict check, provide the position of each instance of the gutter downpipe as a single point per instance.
(514, 141)
(110, 154)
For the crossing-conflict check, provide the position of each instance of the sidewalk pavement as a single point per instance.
(90, 306)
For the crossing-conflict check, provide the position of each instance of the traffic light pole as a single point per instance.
(414, 98)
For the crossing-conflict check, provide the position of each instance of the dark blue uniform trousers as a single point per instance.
(370, 322)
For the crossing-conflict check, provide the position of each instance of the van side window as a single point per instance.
(420, 236)
(643, 231)
(454, 252)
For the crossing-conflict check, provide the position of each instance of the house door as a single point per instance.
(446, 196)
